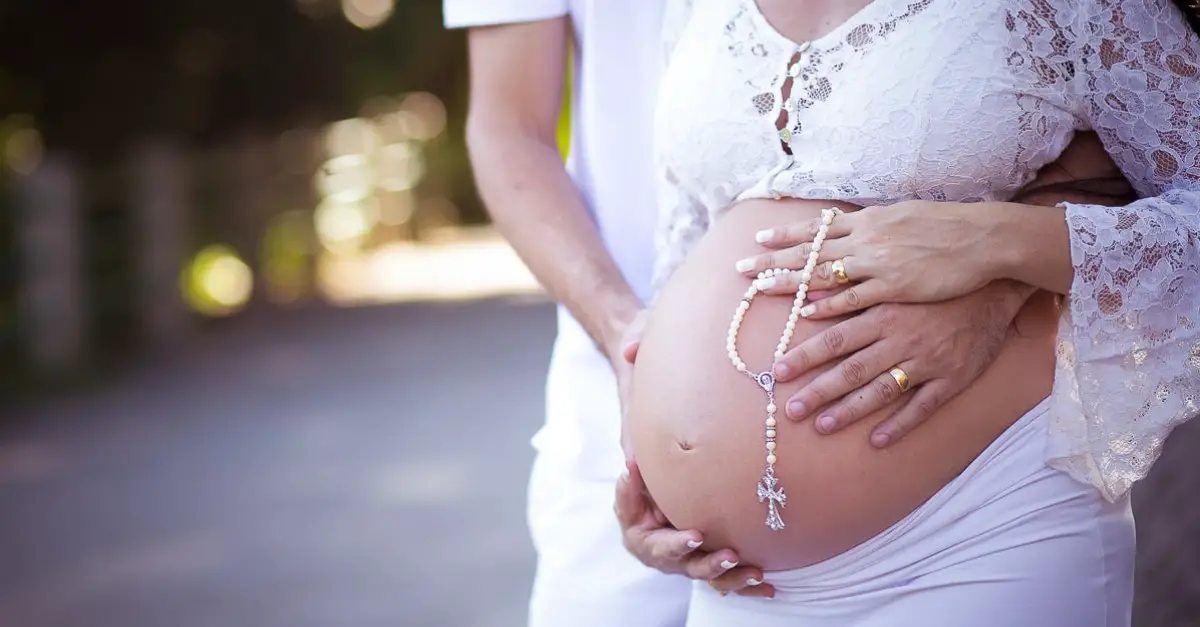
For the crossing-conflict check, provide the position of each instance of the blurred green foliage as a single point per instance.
(97, 77)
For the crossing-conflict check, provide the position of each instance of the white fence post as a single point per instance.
(160, 217)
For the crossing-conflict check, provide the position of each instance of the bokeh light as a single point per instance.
(396, 208)
(347, 178)
(428, 115)
(343, 226)
(217, 282)
(285, 249)
(356, 136)
(23, 148)
(400, 167)
(367, 14)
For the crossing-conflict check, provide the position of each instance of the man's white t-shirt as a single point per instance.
(618, 46)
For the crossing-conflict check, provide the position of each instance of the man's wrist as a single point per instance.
(614, 326)
(1013, 294)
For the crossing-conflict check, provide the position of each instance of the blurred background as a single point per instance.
(262, 361)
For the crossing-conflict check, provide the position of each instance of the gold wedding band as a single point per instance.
(838, 267)
(901, 378)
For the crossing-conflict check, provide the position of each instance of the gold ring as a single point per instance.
(901, 378)
(838, 267)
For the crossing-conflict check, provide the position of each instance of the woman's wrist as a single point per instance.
(1029, 244)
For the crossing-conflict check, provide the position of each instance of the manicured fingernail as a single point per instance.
(764, 236)
(807, 311)
(693, 544)
(625, 477)
(880, 439)
(796, 409)
(728, 564)
(765, 284)
(826, 423)
(753, 582)
(781, 371)
(745, 265)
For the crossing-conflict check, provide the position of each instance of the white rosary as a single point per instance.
(768, 488)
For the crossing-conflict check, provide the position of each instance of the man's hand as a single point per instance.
(1083, 173)
(651, 539)
(622, 363)
(646, 532)
(943, 347)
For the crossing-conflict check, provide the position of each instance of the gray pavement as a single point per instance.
(344, 468)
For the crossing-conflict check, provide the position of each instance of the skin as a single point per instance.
(517, 80)
(1082, 174)
(517, 74)
(965, 330)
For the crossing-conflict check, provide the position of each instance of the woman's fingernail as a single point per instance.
(826, 423)
(693, 544)
(745, 265)
(796, 409)
(807, 311)
(765, 284)
(781, 371)
(764, 236)
(728, 564)
(753, 582)
(880, 439)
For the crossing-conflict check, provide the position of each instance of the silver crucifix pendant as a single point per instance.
(770, 491)
(768, 487)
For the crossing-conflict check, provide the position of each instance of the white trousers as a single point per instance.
(585, 577)
(1008, 543)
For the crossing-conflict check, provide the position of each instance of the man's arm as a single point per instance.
(517, 79)
(1084, 174)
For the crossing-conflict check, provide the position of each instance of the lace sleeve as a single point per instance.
(1129, 344)
(682, 221)
(676, 14)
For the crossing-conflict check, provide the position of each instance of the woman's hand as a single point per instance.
(942, 347)
(651, 539)
(910, 252)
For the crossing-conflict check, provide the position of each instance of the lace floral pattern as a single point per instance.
(965, 100)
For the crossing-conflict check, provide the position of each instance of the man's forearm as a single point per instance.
(536, 206)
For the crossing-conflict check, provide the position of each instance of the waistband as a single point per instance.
(989, 476)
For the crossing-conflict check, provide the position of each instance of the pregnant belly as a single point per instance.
(697, 425)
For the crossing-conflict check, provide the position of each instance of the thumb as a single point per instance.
(631, 501)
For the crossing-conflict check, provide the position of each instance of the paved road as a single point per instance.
(354, 468)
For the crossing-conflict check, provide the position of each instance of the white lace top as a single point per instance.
(964, 100)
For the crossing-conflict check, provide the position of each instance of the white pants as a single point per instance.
(1008, 543)
(585, 577)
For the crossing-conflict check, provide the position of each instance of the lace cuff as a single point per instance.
(1128, 367)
